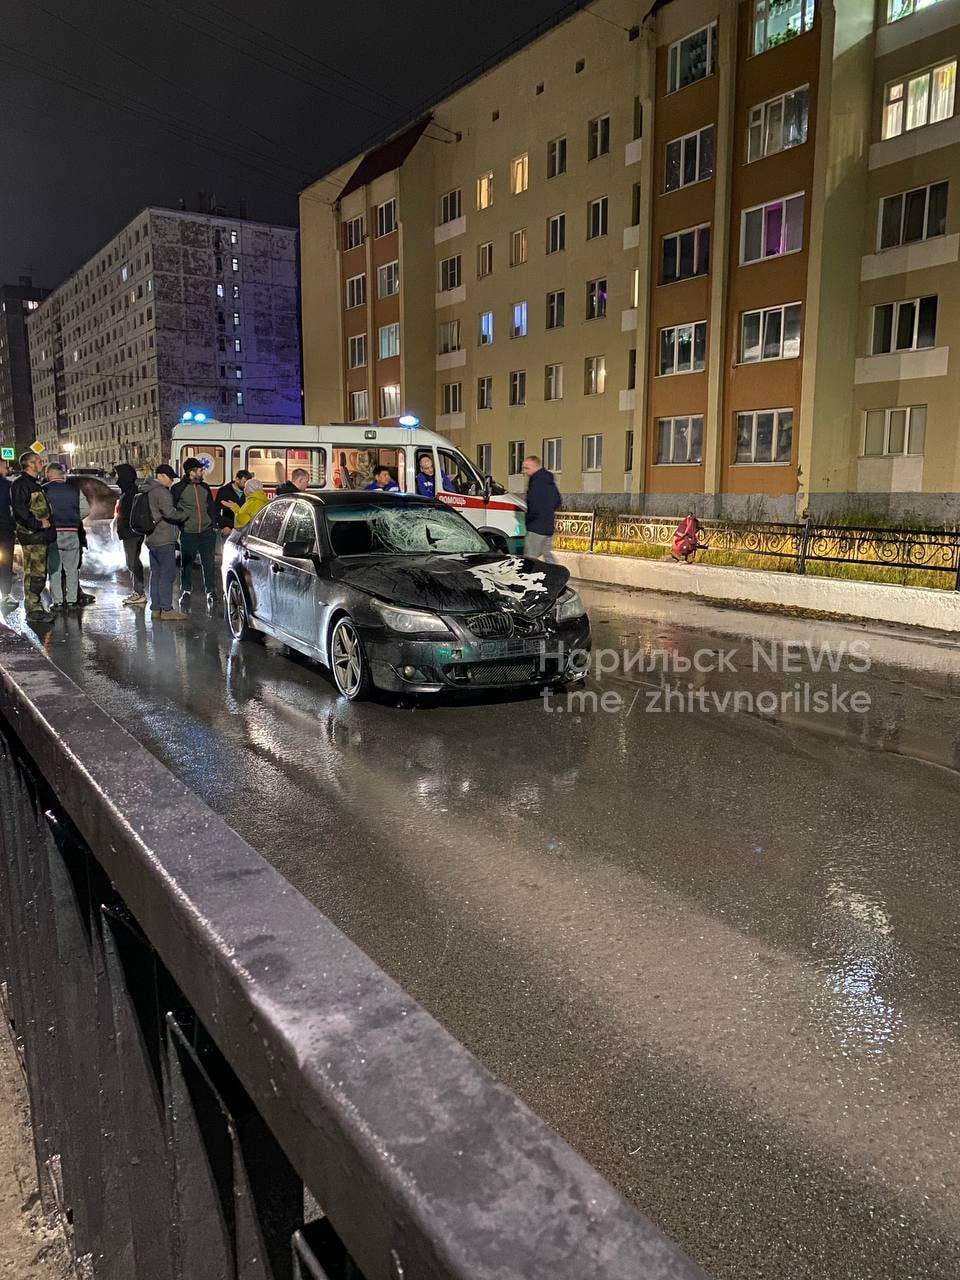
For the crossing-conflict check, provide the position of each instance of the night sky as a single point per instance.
(110, 105)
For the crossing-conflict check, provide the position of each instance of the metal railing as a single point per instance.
(203, 1047)
(789, 548)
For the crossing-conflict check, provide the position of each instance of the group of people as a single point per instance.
(45, 515)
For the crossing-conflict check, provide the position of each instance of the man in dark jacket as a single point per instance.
(543, 502)
(298, 482)
(35, 532)
(69, 507)
(132, 541)
(230, 492)
(7, 534)
(198, 538)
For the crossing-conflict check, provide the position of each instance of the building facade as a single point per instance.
(17, 425)
(698, 259)
(180, 310)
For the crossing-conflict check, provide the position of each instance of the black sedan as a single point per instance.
(401, 593)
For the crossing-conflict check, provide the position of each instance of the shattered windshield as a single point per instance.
(400, 530)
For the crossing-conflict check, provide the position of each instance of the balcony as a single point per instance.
(902, 366)
(449, 230)
(451, 359)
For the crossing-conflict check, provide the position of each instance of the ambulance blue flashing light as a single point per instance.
(409, 420)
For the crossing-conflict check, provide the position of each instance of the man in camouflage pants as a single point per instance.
(35, 532)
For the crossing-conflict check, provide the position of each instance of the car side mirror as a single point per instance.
(487, 488)
(299, 550)
(495, 540)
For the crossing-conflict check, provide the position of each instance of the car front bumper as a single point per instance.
(455, 663)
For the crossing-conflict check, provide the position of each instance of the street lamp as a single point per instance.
(69, 448)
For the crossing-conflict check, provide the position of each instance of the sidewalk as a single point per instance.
(837, 598)
(31, 1248)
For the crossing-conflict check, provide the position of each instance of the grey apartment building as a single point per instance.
(178, 311)
(17, 426)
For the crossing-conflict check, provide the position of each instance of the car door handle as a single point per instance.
(248, 555)
(276, 568)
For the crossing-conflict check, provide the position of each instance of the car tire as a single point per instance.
(235, 607)
(348, 660)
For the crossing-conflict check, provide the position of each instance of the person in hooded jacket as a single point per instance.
(254, 499)
(132, 541)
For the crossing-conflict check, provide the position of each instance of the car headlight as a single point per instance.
(570, 606)
(409, 621)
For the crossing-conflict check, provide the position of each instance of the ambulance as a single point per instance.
(344, 456)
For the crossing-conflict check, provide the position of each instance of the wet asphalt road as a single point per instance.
(718, 952)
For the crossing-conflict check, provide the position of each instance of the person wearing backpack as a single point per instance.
(131, 540)
(153, 511)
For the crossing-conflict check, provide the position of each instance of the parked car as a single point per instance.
(401, 593)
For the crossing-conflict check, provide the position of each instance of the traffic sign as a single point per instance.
(8, 454)
(37, 447)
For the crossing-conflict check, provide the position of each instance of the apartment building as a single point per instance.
(17, 301)
(694, 255)
(179, 310)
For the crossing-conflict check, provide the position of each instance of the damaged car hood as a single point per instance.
(455, 584)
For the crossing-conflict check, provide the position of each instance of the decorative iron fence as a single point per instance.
(202, 1047)
(791, 548)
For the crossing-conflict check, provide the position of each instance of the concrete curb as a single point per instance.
(762, 589)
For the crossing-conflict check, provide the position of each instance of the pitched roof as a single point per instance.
(383, 159)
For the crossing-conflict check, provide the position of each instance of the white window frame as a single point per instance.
(896, 308)
(518, 320)
(450, 205)
(518, 247)
(516, 452)
(485, 190)
(754, 415)
(557, 156)
(450, 273)
(387, 217)
(669, 424)
(484, 458)
(557, 305)
(597, 299)
(390, 397)
(910, 411)
(357, 351)
(765, 313)
(592, 451)
(359, 406)
(694, 139)
(761, 25)
(518, 389)
(697, 233)
(902, 197)
(451, 397)
(762, 116)
(552, 452)
(673, 57)
(897, 9)
(484, 393)
(484, 259)
(353, 231)
(783, 202)
(388, 340)
(674, 330)
(598, 137)
(602, 206)
(594, 375)
(556, 233)
(896, 98)
(519, 174)
(485, 329)
(449, 337)
(553, 383)
(356, 294)
(388, 273)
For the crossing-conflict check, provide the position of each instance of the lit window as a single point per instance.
(386, 217)
(555, 309)
(486, 328)
(357, 348)
(449, 338)
(518, 320)
(592, 453)
(485, 258)
(679, 441)
(236, 319)
(770, 334)
(356, 291)
(237, 345)
(485, 401)
(776, 21)
(689, 159)
(556, 233)
(239, 397)
(518, 390)
(450, 277)
(450, 206)
(914, 215)
(905, 326)
(683, 349)
(359, 407)
(388, 279)
(553, 384)
(518, 247)
(778, 124)
(556, 157)
(764, 436)
(692, 58)
(234, 264)
(553, 448)
(485, 190)
(389, 340)
(894, 431)
(920, 100)
(897, 9)
(519, 174)
(451, 397)
(219, 290)
(390, 401)
(516, 452)
(772, 229)
(597, 218)
(598, 137)
(596, 299)
(238, 372)
(234, 237)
